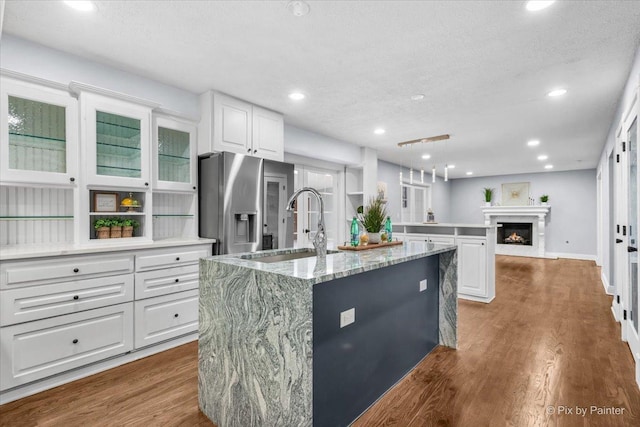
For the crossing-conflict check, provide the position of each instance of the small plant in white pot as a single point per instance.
(374, 217)
(544, 199)
(488, 195)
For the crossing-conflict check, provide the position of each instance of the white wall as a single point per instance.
(390, 173)
(36, 60)
(314, 145)
(630, 90)
(571, 223)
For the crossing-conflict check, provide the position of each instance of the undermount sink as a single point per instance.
(308, 253)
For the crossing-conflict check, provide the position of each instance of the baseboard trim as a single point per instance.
(605, 283)
(615, 316)
(76, 374)
(584, 257)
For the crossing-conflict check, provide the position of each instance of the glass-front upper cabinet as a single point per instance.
(39, 126)
(117, 138)
(174, 154)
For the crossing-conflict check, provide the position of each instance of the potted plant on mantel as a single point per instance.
(544, 199)
(128, 225)
(488, 195)
(374, 217)
(102, 227)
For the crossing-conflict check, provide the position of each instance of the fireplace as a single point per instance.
(515, 233)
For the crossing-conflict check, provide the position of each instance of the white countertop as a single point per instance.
(8, 253)
(442, 224)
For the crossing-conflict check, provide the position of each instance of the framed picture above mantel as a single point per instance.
(515, 194)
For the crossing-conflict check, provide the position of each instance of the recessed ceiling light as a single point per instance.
(379, 131)
(81, 5)
(548, 166)
(469, 173)
(543, 157)
(536, 5)
(417, 97)
(426, 156)
(452, 166)
(296, 96)
(298, 7)
(533, 143)
(557, 92)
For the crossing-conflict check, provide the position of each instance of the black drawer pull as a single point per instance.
(72, 179)
(177, 258)
(75, 341)
(175, 315)
(75, 270)
(76, 297)
(146, 184)
(177, 280)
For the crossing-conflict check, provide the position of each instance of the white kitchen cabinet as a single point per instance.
(39, 128)
(116, 134)
(35, 350)
(174, 154)
(173, 257)
(230, 124)
(165, 317)
(472, 266)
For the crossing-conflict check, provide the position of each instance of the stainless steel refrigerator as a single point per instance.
(239, 207)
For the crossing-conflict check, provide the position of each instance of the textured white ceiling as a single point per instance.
(484, 68)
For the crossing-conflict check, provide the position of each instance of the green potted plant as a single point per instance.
(128, 225)
(102, 227)
(374, 217)
(116, 228)
(544, 199)
(488, 195)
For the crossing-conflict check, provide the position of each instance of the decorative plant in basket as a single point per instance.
(116, 228)
(128, 225)
(375, 214)
(102, 227)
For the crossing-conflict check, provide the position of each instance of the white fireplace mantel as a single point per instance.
(539, 213)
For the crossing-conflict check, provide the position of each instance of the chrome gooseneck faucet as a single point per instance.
(320, 239)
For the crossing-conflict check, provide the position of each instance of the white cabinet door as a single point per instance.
(472, 266)
(268, 134)
(174, 155)
(35, 350)
(39, 134)
(117, 137)
(162, 318)
(232, 125)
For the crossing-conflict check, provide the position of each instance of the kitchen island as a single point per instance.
(272, 350)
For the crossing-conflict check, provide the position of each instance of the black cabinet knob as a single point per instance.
(618, 240)
(194, 187)
(482, 244)
(255, 151)
(76, 270)
(248, 150)
(76, 297)
(177, 258)
(146, 184)
(177, 280)
(75, 341)
(175, 315)
(631, 249)
(72, 179)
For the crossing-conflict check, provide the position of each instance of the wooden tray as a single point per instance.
(369, 246)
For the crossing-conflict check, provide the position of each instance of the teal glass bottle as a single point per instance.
(388, 229)
(355, 232)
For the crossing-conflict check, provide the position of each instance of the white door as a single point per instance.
(415, 200)
(620, 264)
(631, 151)
(275, 200)
(307, 210)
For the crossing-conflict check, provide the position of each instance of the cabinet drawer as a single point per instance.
(166, 281)
(38, 302)
(442, 240)
(153, 260)
(37, 272)
(35, 350)
(162, 318)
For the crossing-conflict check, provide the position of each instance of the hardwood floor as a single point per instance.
(547, 340)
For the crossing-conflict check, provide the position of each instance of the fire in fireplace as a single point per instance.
(515, 233)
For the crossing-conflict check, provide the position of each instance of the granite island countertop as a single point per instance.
(336, 265)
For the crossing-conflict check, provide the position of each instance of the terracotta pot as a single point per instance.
(127, 231)
(103, 232)
(116, 231)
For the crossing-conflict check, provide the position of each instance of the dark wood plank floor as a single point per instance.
(548, 339)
